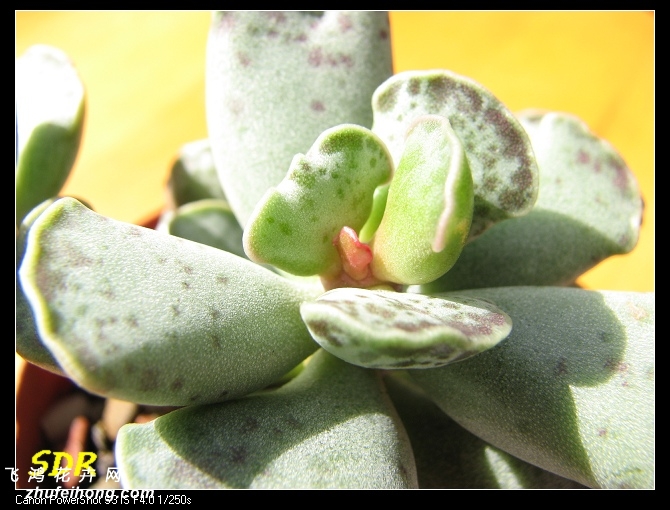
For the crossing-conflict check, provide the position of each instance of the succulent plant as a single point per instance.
(361, 280)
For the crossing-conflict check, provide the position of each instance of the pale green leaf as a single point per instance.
(449, 457)
(28, 343)
(50, 106)
(276, 80)
(571, 390)
(207, 221)
(193, 175)
(332, 427)
(138, 315)
(589, 208)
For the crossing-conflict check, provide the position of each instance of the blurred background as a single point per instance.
(144, 74)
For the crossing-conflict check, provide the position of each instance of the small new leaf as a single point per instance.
(330, 187)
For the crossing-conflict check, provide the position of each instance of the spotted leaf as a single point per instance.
(571, 390)
(498, 150)
(276, 80)
(330, 187)
(138, 315)
(332, 427)
(386, 329)
(589, 208)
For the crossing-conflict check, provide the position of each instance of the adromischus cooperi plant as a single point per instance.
(363, 280)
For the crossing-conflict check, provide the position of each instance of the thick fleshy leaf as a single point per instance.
(330, 187)
(449, 457)
(500, 156)
(276, 80)
(28, 343)
(138, 315)
(429, 207)
(588, 209)
(332, 427)
(571, 390)
(193, 175)
(387, 329)
(207, 221)
(50, 105)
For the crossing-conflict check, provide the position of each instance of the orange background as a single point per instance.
(144, 75)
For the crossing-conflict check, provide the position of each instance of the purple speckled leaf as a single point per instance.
(498, 150)
(589, 208)
(602, 189)
(135, 314)
(386, 329)
(276, 80)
